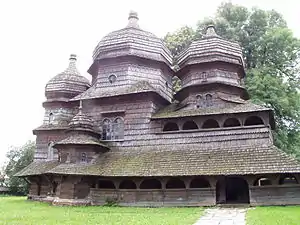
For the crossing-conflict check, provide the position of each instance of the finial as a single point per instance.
(80, 107)
(133, 19)
(210, 31)
(73, 57)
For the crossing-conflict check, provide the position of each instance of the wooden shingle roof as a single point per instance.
(180, 161)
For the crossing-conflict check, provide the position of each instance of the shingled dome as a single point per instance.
(211, 48)
(132, 40)
(81, 121)
(67, 84)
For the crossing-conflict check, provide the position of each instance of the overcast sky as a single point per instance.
(37, 37)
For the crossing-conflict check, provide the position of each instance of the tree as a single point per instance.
(19, 158)
(271, 55)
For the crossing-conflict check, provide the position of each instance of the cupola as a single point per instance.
(132, 41)
(67, 84)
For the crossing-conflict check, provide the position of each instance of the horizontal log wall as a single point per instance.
(143, 197)
(275, 195)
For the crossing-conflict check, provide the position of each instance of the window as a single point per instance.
(112, 78)
(208, 99)
(50, 154)
(170, 127)
(203, 76)
(106, 129)
(118, 129)
(51, 118)
(199, 101)
(113, 129)
(83, 157)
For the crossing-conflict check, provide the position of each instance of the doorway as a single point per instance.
(232, 190)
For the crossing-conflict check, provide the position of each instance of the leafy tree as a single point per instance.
(19, 158)
(271, 55)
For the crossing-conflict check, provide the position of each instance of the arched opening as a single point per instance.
(175, 183)
(106, 184)
(51, 118)
(262, 181)
(210, 123)
(287, 179)
(150, 184)
(127, 184)
(118, 128)
(190, 125)
(232, 190)
(170, 127)
(253, 120)
(232, 122)
(199, 183)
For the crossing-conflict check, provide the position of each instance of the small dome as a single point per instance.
(211, 48)
(132, 40)
(81, 121)
(67, 84)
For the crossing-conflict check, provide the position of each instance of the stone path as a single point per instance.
(223, 216)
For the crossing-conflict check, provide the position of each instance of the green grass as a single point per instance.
(275, 215)
(19, 211)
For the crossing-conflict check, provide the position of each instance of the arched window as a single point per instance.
(208, 99)
(199, 101)
(150, 184)
(51, 118)
(170, 127)
(50, 154)
(83, 157)
(113, 130)
(106, 129)
(253, 120)
(118, 129)
(106, 184)
(287, 179)
(175, 183)
(190, 125)
(127, 184)
(210, 123)
(199, 183)
(262, 181)
(231, 122)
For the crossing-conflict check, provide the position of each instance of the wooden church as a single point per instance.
(127, 138)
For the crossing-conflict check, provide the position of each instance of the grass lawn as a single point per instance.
(275, 215)
(19, 211)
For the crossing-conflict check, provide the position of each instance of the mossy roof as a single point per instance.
(37, 168)
(81, 139)
(94, 92)
(177, 110)
(182, 161)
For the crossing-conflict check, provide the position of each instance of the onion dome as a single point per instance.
(211, 48)
(67, 84)
(132, 40)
